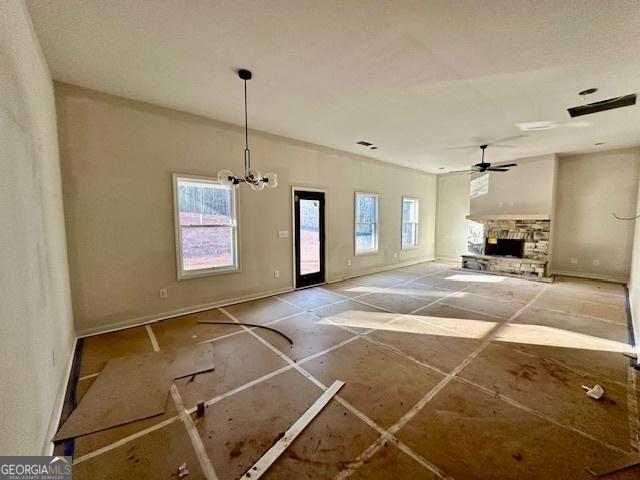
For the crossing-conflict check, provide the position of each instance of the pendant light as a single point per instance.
(252, 176)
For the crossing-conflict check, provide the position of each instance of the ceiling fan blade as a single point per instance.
(496, 169)
(464, 171)
(508, 165)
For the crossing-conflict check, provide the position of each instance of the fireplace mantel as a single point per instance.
(502, 216)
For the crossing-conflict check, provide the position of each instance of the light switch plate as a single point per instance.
(283, 234)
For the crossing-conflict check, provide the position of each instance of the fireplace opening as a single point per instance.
(507, 247)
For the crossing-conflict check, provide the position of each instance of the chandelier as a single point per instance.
(252, 176)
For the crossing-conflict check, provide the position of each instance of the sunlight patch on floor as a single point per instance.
(478, 278)
(418, 292)
(556, 337)
(476, 329)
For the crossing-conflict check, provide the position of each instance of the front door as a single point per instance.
(309, 237)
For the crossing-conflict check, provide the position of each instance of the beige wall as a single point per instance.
(35, 307)
(451, 223)
(590, 188)
(117, 160)
(525, 189)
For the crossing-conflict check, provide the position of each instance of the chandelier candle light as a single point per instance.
(252, 176)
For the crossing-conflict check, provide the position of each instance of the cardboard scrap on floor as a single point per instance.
(622, 463)
(134, 388)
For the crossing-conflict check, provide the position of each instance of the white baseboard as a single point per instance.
(592, 276)
(58, 406)
(156, 317)
(339, 278)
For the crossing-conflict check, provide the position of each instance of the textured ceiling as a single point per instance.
(416, 78)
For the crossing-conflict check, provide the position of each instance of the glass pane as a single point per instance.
(309, 235)
(409, 234)
(204, 203)
(366, 209)
(207, 247)
(410, 211)
(365, 236)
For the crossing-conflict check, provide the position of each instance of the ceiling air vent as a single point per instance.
(363, 143)
(609, 104)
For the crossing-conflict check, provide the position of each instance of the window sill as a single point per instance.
(362, 253)
(208, 273)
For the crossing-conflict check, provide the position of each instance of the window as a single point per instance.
(366, 223)
(410, 222)
(206, 226)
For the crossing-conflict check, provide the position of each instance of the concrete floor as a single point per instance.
(448, 374)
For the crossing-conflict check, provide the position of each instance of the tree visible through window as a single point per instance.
(366, 223)
(410, 222)
(206, 226)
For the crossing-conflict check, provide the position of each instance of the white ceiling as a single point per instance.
(417, 78)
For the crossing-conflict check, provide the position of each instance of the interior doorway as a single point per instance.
(309, 231)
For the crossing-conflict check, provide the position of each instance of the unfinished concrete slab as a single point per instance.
(186, 330)
(483, 383)
(473, 435)
(379, 383)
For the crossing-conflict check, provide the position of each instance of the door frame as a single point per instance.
(295, 188)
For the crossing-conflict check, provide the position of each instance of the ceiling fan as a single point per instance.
(486, 167)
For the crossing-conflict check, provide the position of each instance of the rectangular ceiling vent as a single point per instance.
(609, 104)
(366, 144)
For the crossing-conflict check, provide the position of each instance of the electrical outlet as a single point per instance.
(349, 263)
(163, 293)
(596, 262)
(574, 261)
(395, 254)
(276, 273)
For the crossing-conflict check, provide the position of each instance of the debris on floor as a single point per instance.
(622, 463)
(254, 325)
(200, 409)
(134, 388)
(183, 471)
(278, 448)
(596, 392)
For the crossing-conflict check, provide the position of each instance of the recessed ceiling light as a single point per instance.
(533, 126)
(597, 144)
(588, 91)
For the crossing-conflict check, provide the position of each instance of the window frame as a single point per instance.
(211, 271)
(416, 223)
(369, 251)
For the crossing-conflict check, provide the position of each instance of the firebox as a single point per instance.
(504, 246)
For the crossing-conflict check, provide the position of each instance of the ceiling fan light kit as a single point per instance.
(252, 176)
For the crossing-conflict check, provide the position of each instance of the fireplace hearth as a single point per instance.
(514, 246)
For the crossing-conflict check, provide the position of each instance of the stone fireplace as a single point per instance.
(512, 245)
